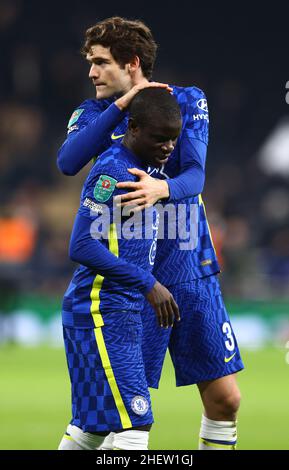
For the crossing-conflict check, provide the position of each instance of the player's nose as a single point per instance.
(93, 71)
(168, 146)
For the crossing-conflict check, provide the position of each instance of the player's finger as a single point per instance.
(160, 85)
(171, 314)
(129, 196)
(130, 209)
(175, 309)
(136, 202)
(137, 172)
(128, 185)
(141, 207)
(166, 87)
(159, 316)
(165, 316)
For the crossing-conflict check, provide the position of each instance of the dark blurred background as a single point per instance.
(237, 54)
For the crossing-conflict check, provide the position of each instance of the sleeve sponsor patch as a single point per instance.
(92, 205)
(104, 188)
(74, 117)
(203, 105)
(72, 128)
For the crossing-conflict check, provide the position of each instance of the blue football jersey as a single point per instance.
(133, 240)
(191, 251)
(190, 254)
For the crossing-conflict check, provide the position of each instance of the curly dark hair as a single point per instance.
(126, 39)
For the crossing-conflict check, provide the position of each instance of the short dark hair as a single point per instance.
(126, 39)
(154, 104)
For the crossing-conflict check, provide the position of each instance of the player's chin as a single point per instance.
(103, 92)
(158, 162)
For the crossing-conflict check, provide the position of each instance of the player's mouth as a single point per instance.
(99, 84)
(163, 159)
(166, 155)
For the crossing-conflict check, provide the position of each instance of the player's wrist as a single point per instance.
(151, 282)
(121, 104)
(164, 191)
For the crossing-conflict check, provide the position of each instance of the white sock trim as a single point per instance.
(85, 440)
(108, 442)
(131, 440)
(218, 430)
(67, 443)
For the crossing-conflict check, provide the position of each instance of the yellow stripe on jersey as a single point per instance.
(201, 202)
(98, 281)
(95, 301)
(98, 321)
(123, 414)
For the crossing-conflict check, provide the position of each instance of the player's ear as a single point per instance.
(132, 125)
(133, 65)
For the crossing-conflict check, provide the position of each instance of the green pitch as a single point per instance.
(35, 408)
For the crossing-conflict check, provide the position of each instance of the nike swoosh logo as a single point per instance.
(228, 359)
(114, 137)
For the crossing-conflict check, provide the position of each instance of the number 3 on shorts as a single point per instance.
(227, 330)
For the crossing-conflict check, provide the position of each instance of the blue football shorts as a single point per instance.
(108, 384)
(202, 344)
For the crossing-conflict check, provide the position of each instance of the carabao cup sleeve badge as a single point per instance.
(104, 188)
(74, 117)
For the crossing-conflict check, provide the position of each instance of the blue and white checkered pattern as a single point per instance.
(102, 395)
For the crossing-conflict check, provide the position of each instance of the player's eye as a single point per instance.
(160, 138)
(101, 62)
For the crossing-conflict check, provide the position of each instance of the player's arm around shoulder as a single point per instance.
(87, 136)
(79, 119)
(82, 115)
(192, 144)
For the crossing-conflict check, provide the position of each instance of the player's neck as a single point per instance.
(138, 78)
(127, 142)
